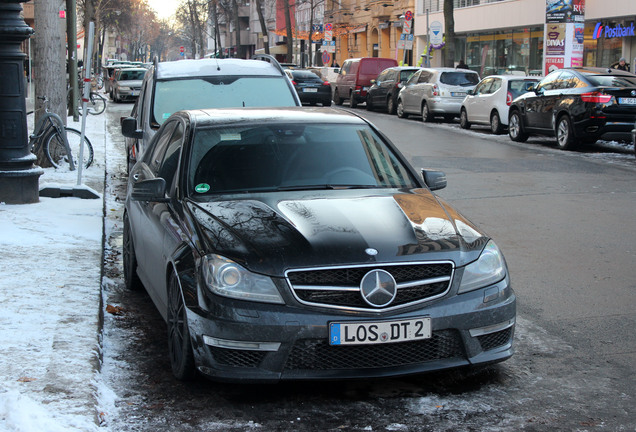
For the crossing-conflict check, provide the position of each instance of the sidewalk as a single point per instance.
(51, 260)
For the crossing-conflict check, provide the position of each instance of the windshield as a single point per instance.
(272, 157)
(220, 92)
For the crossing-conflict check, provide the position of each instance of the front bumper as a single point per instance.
(243, 341)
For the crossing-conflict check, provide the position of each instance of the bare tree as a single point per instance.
(261, 19)
(49, 66)
(192, 16)
(449, 26)
(288, 26)
(313, 5)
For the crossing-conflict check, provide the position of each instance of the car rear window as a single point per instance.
(220, 92)
(611, 80)
(518, 87)
(464, 79)
(306, 76)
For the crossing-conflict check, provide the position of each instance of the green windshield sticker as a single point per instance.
(166, 115)
(202, 188)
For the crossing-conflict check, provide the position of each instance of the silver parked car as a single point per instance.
(127, 83)
(433, 92)
(490, 101)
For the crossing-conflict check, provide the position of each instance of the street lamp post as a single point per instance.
(18, 174)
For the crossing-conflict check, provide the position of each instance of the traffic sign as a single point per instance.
(328, 27)
(328, 35)
(326, 58)
(437, 35)
(181, 49)
(408, 15)
(406, 28)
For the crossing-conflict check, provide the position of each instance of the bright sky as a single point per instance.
(164, 8)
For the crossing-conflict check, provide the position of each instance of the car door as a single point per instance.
(416, 92)
(383, 82)
(159, 215)
(537, 107)
(474, 103)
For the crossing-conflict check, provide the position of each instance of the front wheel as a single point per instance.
(179, 344)
(336, 97)
(463, 119)
(56, 151)
(515, 128)
(352, 101)
(96, 104)
(390, 105)
(495, 123)
(400, 110)
(564, 133)
(369, 103)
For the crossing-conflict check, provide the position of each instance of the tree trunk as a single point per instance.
(290, 37)
(237, 29)
(49, 66)
(449, 26)
(261, 19)
(311, 32)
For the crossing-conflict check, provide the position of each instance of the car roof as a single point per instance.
(450, 69)
(513, 77)
(599, 71)
(215, 67)
(297, 115)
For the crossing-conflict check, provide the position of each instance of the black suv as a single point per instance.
(577, 106)
(169, 87)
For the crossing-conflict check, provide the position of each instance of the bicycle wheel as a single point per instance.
(56, 152)
(96, 104)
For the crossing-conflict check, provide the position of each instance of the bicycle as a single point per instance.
(95, 105)
(58, 141)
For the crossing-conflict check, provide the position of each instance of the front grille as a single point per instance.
(496, 339)
(319, 355)
(240, 358)
(339, 287)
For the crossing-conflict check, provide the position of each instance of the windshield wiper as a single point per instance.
(324, 187)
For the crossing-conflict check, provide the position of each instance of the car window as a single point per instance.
(384, 76)
(161, 142)
(518, 87)
(170, 159)
(424, 77)
(414, 78)
(611, 81)
(405, 75)
(548, 83)
(463, 79)
(483, 87)
(496, 85)
(131, 75)
(219, 92)
(271, 157)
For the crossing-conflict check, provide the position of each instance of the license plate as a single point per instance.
(458, 94)
(379, 332)
(365, 88)
(310, 90)
(134, 93)
(627, 101)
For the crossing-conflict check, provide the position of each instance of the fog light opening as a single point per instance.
(241, 345)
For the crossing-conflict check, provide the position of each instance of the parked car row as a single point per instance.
(577, 106)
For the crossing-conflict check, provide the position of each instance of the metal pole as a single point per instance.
(428, 42)
(71, 37)
(87, 91)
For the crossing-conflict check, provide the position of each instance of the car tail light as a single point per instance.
(294, 82)
(399, 85)
(358, 87)
(326, 83)
(509, 99)
(435, 90)
(596, 97)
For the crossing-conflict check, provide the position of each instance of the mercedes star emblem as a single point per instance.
(378, 288)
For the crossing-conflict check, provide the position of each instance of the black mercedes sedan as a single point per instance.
(298, 243)
(577, 106)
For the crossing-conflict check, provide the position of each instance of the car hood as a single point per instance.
(129, 83)
(274, 233)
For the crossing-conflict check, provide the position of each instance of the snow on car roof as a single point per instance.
(215, 67)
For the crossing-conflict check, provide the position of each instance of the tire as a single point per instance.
(96, 104)
(463, 119)
(352, 101)
(369, 104)
(131, 279)
(179, 343)
(336, 97)
(426, 114)
(564, 133)
(116, 97)
(495, 123)
(390, 105)
(327, 103)
(515, 128)
(400, 110)
(56, 152)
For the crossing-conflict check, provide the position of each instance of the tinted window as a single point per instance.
(611, 81)
(406, 74)
(161, 142)
(459, 78)
(273, 157)
(305, 76)
(518, 87)
(220, 92)
(483, 87)
(548, 82)
(171, 156)
(496, 85)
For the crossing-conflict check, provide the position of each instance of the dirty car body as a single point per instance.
(285, 244)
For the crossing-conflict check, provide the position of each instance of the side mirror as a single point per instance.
(373, 82)
(129, 128)
(435, 180)
(336, 70)
(150, 190)
(470, 92)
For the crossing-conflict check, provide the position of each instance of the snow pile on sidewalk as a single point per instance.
(51, 255)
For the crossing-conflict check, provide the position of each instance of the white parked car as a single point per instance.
(489, 102)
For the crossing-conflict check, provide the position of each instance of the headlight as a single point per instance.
(226, 278)
(489, 268)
